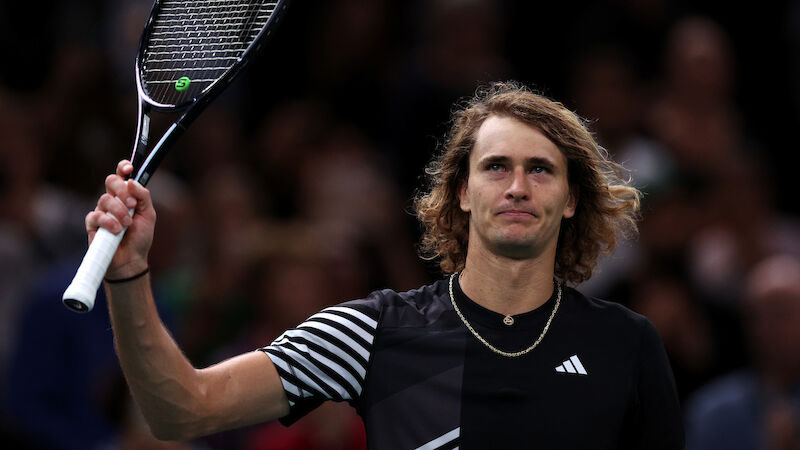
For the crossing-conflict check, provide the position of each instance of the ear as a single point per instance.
(463, 198)
(572, 202)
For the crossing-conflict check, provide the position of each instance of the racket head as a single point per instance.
(190, 50)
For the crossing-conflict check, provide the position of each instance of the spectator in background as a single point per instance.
(291, 134)
(219, 309)
(62, 373)
(59, 367)
(758, 408)
(640, 25)
(303, 267)
(38, 220)
(457, 45)
(714, 218)
(346, 169)
(315, 165)
(350, 56)
(607, 91)
(694, 117)
(716, 171)
(668, 301)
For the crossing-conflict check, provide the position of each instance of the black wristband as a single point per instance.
(125, 280)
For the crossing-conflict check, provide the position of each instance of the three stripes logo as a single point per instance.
(572, 365)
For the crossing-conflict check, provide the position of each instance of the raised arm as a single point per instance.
(177, 400)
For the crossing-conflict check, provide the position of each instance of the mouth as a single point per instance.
(516, 213)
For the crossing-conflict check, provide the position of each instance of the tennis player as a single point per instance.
(501, 353)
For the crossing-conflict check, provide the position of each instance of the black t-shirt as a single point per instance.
(599, 379)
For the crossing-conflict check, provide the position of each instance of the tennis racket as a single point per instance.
(189, 52)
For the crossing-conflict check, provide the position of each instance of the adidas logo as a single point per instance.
(572, 365)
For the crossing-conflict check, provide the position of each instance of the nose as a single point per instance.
(519, 189)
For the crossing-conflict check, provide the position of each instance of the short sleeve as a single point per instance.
(326, 357)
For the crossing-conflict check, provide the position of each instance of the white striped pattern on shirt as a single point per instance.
(325, 356)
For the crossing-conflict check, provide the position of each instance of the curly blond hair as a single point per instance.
(607, 206)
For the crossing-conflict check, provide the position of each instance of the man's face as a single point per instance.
(517, 190)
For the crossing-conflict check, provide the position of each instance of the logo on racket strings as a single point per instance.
(182, 84)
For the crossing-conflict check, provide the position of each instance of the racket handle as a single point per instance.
(80, 294)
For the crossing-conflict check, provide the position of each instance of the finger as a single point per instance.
(93, 224)
(115, 185)
(118, 187)
(93, 220)
(115, 207)
(110, 223)
(124, 168)
(99, 219)
(141, 195)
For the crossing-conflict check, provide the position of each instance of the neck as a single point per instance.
(507, 286)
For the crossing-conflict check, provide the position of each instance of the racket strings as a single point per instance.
(192, 43)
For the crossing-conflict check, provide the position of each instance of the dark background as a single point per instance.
(293, 191)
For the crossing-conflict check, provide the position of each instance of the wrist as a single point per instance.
(125, 280)
(128, 270)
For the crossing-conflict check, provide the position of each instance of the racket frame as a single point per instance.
(145, 163)
(80, 294)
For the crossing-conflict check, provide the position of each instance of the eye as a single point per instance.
(494, 167)
(540, 169)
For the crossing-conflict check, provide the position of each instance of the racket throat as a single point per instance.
(150, 162)
(139, 153)
(144, 132)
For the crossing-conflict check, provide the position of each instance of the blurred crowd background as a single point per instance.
(293, 192)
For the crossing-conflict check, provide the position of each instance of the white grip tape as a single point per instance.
(80, 294)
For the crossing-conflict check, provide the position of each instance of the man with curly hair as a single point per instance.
(499, 354)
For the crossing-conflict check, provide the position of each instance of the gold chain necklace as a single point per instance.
(493, 348)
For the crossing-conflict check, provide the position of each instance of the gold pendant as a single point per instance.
(508, 320)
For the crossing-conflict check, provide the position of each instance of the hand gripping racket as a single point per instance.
(190, 50)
